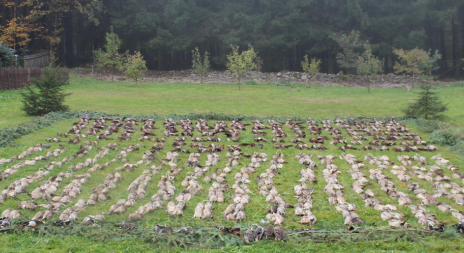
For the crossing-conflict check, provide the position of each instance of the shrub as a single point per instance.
(200, 64)
(6, 55)
(443, 137)
(251, 82)
(45, 94)
(312, 67)
(427, 126)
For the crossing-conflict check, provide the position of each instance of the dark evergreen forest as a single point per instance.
(282, 32)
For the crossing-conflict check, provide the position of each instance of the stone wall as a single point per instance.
(188, 76)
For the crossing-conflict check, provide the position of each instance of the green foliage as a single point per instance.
(427, 105)
(251, 82)
(6, 55)
(200, 64)
(135, 66)
(369, 65)
(46, 94)
(91, 94)
(110, 57)
(313, 67)
(243, 63)
(416, 61)
(351, 47)
(443, 137)
(450, 136)
(8, 135)
(441, 133)
(305, 65)
(427, 126)
(428, 62)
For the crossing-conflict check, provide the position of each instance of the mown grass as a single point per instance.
(257, 100)
(254, 100)
(328, 218)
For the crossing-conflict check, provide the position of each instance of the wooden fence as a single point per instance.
(16, 78)
(37, 60)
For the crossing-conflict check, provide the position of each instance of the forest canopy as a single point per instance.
(282, 32)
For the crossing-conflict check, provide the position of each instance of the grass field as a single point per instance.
(256, 100)
(253, 100)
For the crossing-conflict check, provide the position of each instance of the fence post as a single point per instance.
(8, 80)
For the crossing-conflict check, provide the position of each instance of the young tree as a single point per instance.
(351, 48)
(369, 65)
(241, 64)
(200, 64)
(45, 94)
(6, 55)
(17, 32)
(259, 64)
(110, 58)
(427, 105)
(135, 66)
(312, 68)
(428, 62)
(416, 62)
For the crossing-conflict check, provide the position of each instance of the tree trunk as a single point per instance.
(443, 49)
(239, 81)
(330, 64)
(455, 48)
(160, 58)
(69, 40)
(283, 63)
(368, 86)
(294, 58)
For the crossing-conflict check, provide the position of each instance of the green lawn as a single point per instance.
(255, 100)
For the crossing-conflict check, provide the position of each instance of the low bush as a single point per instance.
(46, 94)
(444, 137)
(251, 82)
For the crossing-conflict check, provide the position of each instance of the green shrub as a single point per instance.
(251, 82)
(45, 94)
(6, 55)
(443, 137)
(428, 105)
(427, 126)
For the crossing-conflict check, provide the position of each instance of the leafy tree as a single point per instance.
(428, 62)
(110, 58)
(241, 64)
(427, 105)
(45, 94)
(200, 64)
(351, 48)
(369, 65)
(17, 32)
(135, 66)
(6, 55)
(312, 68)
(416, 62)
